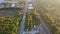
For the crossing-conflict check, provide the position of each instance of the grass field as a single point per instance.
(10, 21)
(51, 14)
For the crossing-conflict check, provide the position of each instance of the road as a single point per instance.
(42, 27)
(22, 25)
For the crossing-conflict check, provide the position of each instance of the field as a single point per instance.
(10, 21)
(51, 14)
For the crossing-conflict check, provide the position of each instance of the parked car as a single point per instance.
(30, 6)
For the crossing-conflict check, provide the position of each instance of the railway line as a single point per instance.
(42, 27)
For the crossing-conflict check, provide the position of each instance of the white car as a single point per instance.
(12, 5)
(30, 6)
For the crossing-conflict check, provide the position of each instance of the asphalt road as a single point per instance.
(42, 27)
(22, 25)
